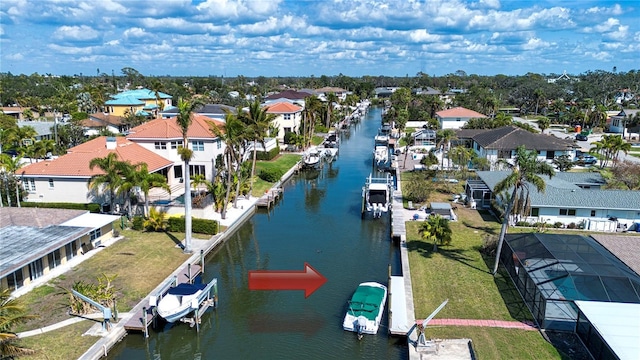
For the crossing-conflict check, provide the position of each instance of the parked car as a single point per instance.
(589, 160)
(582, 137)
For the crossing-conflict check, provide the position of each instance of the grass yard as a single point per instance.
(283, 162)
(141, 261)
(460, 273)
(62, 344)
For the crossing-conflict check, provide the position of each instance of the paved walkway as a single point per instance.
(527, 325)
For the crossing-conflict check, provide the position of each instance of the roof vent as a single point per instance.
(111, 142)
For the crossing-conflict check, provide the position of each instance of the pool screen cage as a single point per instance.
(552, 270)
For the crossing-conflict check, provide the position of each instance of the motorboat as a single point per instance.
(366, 308)
(331, 140)
(311, 159)
(381, 155)
(180, 301)
(330, 153)
(376, 196)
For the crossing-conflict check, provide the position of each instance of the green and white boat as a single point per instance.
(366, 308)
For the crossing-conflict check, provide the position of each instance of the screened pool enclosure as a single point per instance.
(551, 271)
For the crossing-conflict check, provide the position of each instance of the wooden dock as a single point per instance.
(269, 198)
(144, 316)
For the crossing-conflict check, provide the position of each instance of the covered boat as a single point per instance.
(376, 196)
(179, 301)
(366, 307)
(311, 159)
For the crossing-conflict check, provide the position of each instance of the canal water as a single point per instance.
(318, 221)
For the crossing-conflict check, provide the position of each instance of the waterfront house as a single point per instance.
(620, 121)
(141, 102)
(456, 118)
(66, 178)
(46, 242)
(290, 96)
(501, 143)
(340, 93)
(288, 118)
(163, 137)
(571, 199)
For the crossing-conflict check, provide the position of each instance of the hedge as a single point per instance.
(92, 207)
(271, 175)
(268, 155)
(198, 226)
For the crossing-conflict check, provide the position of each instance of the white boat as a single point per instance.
(381, 155)
(311, 159)
(376, 196)
(330, 153)
(366, 308)
(180, 301)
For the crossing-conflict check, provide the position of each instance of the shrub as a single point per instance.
(271, 175)
(557, 224)
(198, 226)
(417, 190)
(290, 137)
(137, 223)
(522, 223)
(489, 245)
(157, 220)
(268, 155)
(92, 207)
(571, 226)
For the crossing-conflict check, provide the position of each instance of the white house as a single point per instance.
(501, 143)
(164, 136)
(570, 198)
(66, 178)
(288, 118)
(620, 121)
(456, 118)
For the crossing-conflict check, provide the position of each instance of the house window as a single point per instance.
(160, 145)
(458, 119)
(551, 154)
(568, 212)
(196, 170)
(29, 184)
(54, 259)
(287, 130)
(593, 213)
(51, 184)
(197, 145)
(287, 116)
(535, 211)
(95, 234)
(218, 144)
(35, 269)
(176, 144)
(71, 250)
(16, 280)
(177, 172)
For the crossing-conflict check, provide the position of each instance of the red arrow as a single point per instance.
(308, 280)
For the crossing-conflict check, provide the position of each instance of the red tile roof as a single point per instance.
(283, 108)
(169, 129)
(76, 162)
(459, 112)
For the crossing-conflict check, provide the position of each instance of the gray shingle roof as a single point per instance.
(510, 137)
(562, 193)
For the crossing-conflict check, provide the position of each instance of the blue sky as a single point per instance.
(309, 37)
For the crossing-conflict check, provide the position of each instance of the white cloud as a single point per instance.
(135, 32)
(619, 34)
(69, 50)
(615, 10)
(234, 9)
(75, 33)
(15, 56)
(535, 44)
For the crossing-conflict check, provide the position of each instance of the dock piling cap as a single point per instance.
(153, 300)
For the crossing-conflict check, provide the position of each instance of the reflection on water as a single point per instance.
(317, 221)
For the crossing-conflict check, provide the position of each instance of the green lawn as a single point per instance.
(62, 344)
(460, 273)
(282, 162)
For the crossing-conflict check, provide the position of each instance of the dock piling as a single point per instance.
(202, 260)
(144, 322)
(189, 273)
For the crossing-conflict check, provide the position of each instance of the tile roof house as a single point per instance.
(164, 136)
(456, 118)
(139, 101)
(570, 198)
(45, 243)
(501, 143)
(288, 118)
(66, 178)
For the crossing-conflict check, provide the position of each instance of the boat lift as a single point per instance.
(200, 304)
(106, 312)
(422, 344)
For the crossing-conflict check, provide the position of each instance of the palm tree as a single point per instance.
(436, 229)
(445, 136)
(331, 98)
(146, 181)
(311, 110)
(9, 166)
(543, 123)
(526, 169)
(257, 121)
(184, 120)
(111, 176)
(232, 134)
(408, 139)
(156, 88)
(127, 183)
(12, 313)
